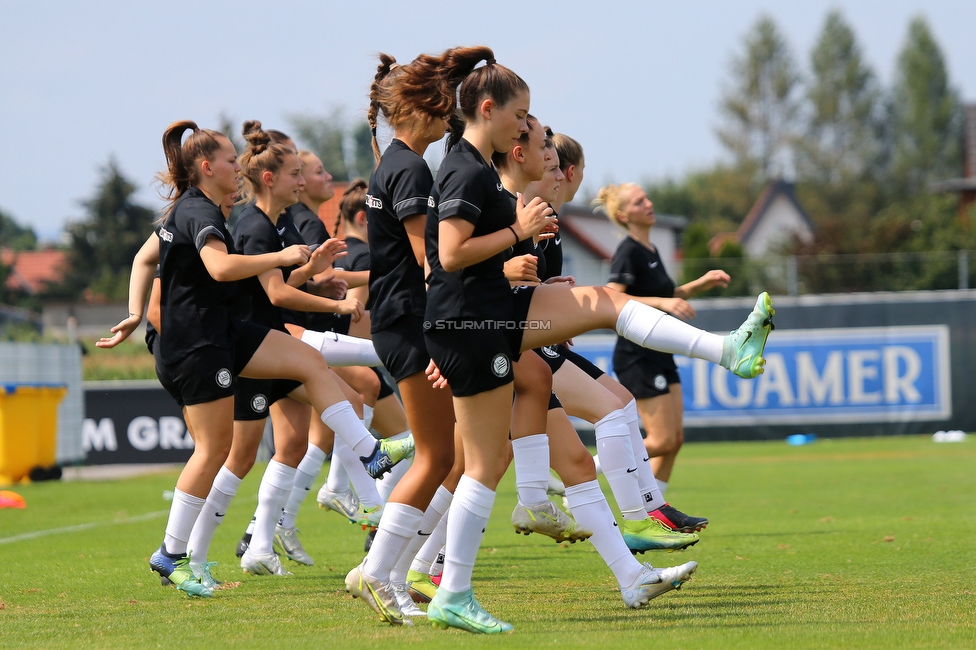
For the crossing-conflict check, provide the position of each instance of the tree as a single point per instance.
(15, 236)
(760, 107)
(325, 137)
(364, 160)
(926, 127)
(840, 141)
(105, 242)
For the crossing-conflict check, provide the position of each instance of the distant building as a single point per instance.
(965, 187)
(775, 219)
(589, 240)
(31, 271)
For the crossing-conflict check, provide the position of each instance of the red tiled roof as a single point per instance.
(33, 269)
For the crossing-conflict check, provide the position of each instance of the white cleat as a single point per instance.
(651, 583)
(287, 540)
(345, 503)
(262, 565)
(405, 602)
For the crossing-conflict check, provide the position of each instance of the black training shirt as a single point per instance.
(642, 272)
(195, 307)
(254, 234)
(399, 188)
(469, 188)
(553, 251)
(528, 246)
(307, 222)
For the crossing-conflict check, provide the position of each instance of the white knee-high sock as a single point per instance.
(652, 328)
(432, 518)
(342, 350)
(182, 515)
(663, 486)
(389, 481)
(591, 510)
(470, 510)
(428, 553)
(398, 526)
(532, 468)
(212, 515)
(338, 480)
(308, 470)
(343, 420)
(362, 482)
(275, 487)
(617, 460)
(650, 494)
(367, 416)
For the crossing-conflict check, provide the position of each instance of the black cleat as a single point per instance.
(679, 521)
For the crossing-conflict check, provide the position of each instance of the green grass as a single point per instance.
(128, 360)
(864, 543)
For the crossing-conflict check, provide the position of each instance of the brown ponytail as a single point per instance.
(352, 202)
(426, 87)
(262, 153)
(181, 157)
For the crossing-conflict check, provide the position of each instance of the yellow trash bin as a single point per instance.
(28, 428)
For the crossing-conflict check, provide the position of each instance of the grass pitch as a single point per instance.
(864, 543)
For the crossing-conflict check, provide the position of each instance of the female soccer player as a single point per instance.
(204, 348)
(470, 306)
(637, 270)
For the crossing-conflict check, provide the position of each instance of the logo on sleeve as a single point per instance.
(165, 235)
(223, 377)
(652, 265)
(660, 383)
(259, 403)
(373, 202)
(500, 365)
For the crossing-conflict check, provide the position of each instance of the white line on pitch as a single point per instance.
(80, 527)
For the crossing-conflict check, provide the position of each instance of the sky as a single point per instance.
(637, 83)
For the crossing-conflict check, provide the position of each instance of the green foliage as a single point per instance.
(15, 236)
(926, 115)
(105, 242)
(760, 107)
(839, 558)
(325, 136)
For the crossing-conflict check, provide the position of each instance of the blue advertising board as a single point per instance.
(818, 376)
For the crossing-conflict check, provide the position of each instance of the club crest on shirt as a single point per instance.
(660, 382)
(223, 377)
(373, 202)
(259, 403)
(500, 365)
(431, 203)
(165, 235)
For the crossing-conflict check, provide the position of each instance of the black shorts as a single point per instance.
(165, 379)
(478, 359)
(402, 348)
(209, 373)
(386, 389)
(647, 375)
(550, 354)
(253, 396)
(580, 362)
(554, 402)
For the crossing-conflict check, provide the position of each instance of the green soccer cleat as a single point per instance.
(743, 348)
(652, 535)
(546, 519)
(377, 595)
(386, 455)
(177, 571)
(463, 612)
(201, 570)
(420, 586)
(369, 518)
